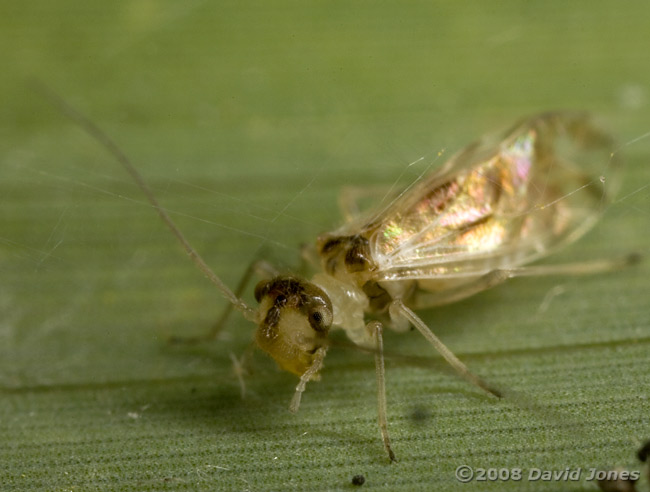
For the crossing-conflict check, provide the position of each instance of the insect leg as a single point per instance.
(260, 269)
(424, 300)
(376, 328)
(238, 368)
(398, 309)
(316, 366)
(581, 268)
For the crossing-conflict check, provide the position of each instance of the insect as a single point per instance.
(492, 208)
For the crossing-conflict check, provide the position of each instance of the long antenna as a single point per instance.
(105, 141)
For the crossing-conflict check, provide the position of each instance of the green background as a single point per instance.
(247, 118)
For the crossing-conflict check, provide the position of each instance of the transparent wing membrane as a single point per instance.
(499, 203)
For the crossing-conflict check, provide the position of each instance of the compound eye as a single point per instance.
(320, 318)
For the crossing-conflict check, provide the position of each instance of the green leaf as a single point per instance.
(247, 118)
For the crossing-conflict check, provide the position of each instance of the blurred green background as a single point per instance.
(247, 118)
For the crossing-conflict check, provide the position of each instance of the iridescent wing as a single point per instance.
(498, 203)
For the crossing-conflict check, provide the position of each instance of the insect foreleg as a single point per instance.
(316, 366)
(376, 328)
(398, 309)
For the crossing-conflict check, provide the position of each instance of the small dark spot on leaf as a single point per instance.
(358, 480)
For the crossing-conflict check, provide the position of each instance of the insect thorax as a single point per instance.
(348, 258)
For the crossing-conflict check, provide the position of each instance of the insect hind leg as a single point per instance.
(579, 268)
(397, 309)
(425, 300)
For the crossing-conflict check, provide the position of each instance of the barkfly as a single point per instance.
(495, 206)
